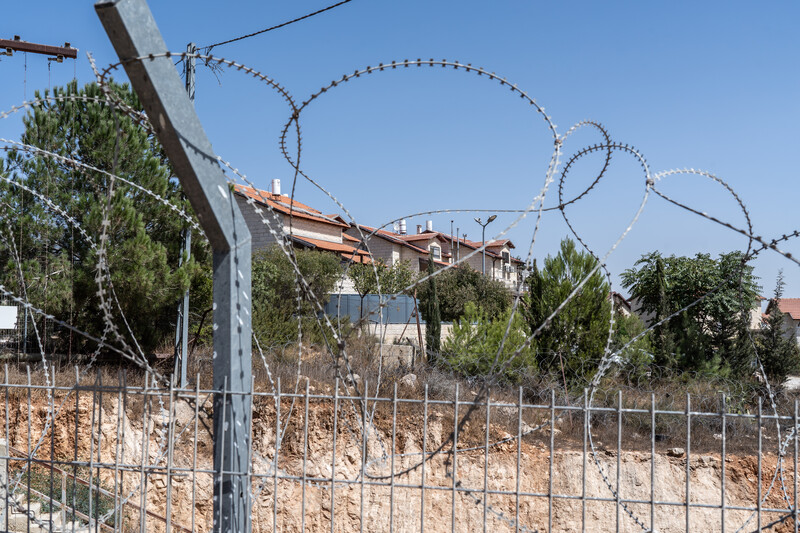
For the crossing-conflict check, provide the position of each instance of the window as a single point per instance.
(436, 252)
(506, 257)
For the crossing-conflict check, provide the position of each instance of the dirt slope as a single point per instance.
(120, 441)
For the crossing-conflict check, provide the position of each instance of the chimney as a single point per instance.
(276, 186)
(419, 229)
(403, 227)
(429, 225)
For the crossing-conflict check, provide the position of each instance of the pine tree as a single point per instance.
(571, 346)
(143, 247)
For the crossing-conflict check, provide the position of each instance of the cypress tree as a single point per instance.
(433, 328)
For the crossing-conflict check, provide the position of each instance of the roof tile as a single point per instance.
(790, 306)
(286, 205)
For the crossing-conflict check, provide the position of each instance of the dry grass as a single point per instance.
(313, 363)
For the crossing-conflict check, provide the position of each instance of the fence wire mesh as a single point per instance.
(121, 453)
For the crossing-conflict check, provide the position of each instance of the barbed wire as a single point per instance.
(342, 364)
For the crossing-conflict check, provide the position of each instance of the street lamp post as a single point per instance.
(483, 238)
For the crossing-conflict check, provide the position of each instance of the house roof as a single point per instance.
(284, 204)
(356, 258)
(503, 242)
(437, 262)
(620, 299)
(392, 237)
(426, 236)
(345, 251)
(328, 246)
(416, 237)
(789, 306)
(489, 245)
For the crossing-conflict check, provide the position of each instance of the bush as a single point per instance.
(476, 346)
(280, 306)
(458, 286)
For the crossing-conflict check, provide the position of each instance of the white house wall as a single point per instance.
(791, 327)
(262, 238)
(412, 256)
(344, 286)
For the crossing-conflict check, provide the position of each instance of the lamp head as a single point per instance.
(491, 218)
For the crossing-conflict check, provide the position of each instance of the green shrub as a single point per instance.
(476, 346)
(458, 286)
(280, 306)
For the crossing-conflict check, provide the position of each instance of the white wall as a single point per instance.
(344, 286)
(8, 316)
(393, 332)
(259, 232)
(312, 229)
(379, 248)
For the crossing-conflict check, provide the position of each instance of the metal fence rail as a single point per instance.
(386, 309)
(331, 458)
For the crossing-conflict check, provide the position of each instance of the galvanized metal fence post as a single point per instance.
(134, 34)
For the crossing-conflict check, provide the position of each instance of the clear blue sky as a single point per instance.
(709, 85)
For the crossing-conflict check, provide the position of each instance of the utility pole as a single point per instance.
(57, 53)
(452, 251)
(182, 329)
(8, 48)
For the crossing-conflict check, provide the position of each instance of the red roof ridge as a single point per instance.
(391, 236)
(790, 306)
(285, 205)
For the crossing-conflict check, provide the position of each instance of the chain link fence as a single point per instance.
(423, 453)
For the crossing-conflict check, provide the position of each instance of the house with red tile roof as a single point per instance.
(271, 216)
(790, 307)
(392, 248)
(500, 264)
(442, 248)
(621, 304)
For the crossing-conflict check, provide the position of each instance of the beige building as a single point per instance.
(426, 244)
(790, 307)
(271, 216)
(392, 248)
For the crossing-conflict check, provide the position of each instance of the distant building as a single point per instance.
(621, 304)
(426, 244)
(790, 307)
(392, 248)
(271, 216)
